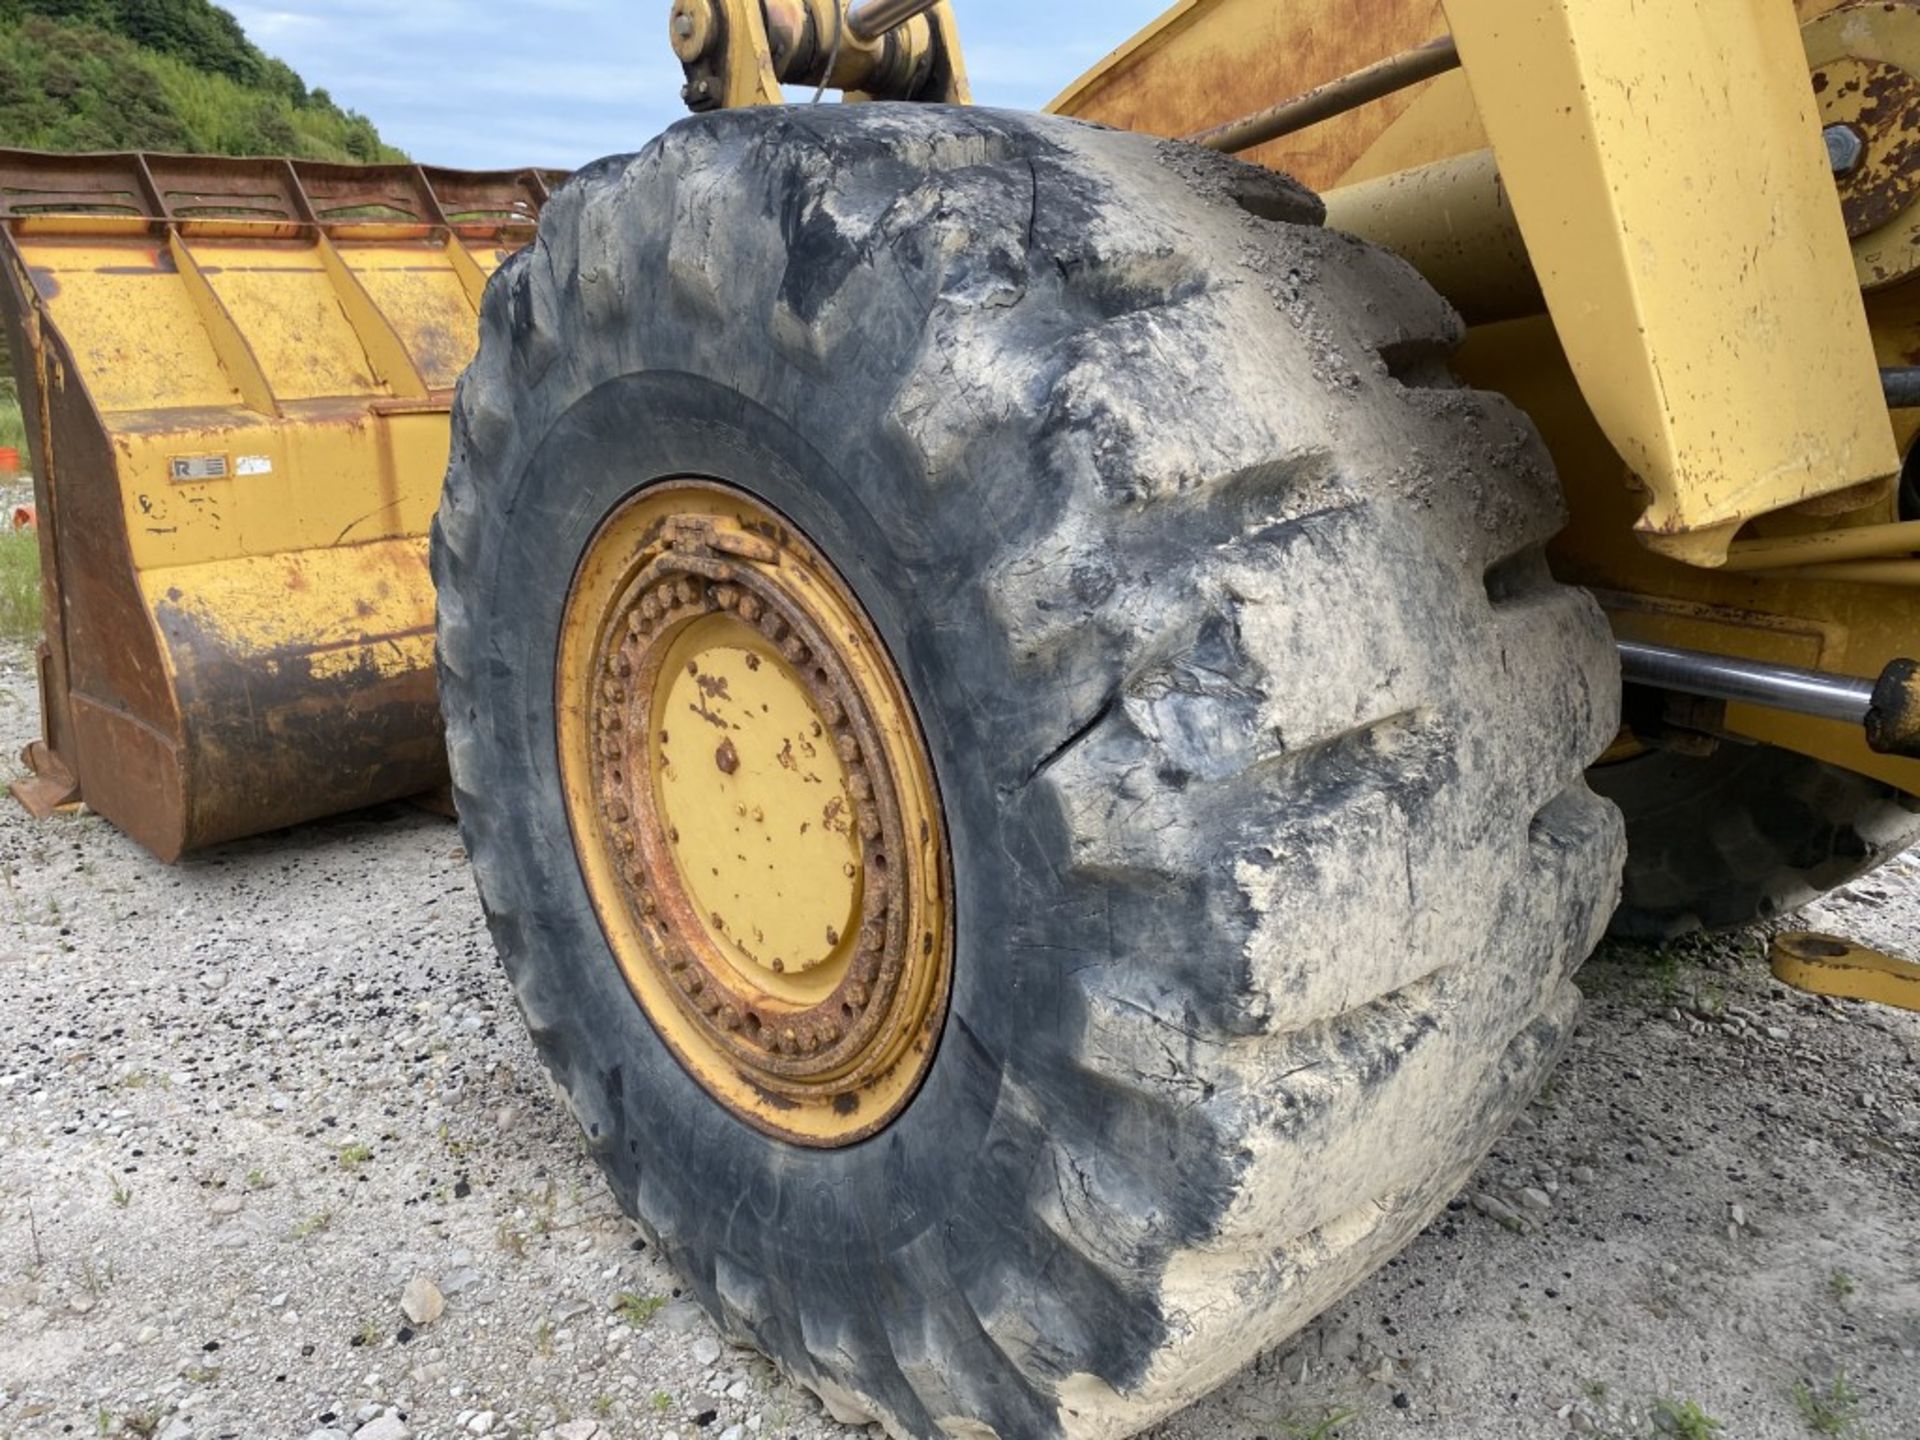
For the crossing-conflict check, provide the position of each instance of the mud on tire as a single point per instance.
(1259, 726)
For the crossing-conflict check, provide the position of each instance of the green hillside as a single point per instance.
(161, 75)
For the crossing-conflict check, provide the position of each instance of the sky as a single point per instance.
(497, 84)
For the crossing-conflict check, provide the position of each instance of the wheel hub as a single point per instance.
(754, 813)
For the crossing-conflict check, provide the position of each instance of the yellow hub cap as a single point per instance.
(754, 813)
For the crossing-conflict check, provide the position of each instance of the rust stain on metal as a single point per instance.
(1881, 101)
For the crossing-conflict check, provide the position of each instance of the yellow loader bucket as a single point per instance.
(236, 376)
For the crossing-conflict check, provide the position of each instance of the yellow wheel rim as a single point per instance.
(754, 813)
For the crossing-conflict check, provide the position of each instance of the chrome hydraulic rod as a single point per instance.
(870, 19)
(1720, 677)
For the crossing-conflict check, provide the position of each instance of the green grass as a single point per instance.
(19, 552)
(1686, 1419)
(19, 583)
(637, 1310)
(13, 425)
(1828, 1411)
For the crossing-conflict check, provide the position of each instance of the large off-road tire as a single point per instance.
(1259, 728)
(1743, 834)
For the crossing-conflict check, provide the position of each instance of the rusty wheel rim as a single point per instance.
(754, 813)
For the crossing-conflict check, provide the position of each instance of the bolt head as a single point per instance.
(1846, 148)
(683, 25)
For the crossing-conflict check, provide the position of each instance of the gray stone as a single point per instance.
(681, 1317)
(1497, 1210)
(706, 1350)
(460, 1281)
(387, 1427)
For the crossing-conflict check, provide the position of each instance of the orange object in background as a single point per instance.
(9, 460)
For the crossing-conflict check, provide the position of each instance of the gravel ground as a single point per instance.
(254, 1106)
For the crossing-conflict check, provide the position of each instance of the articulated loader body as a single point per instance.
(1043, 715)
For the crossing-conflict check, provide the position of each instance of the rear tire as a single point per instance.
(1743, 835)
(1258, 724)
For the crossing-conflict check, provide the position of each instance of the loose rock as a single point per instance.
(422, 1301)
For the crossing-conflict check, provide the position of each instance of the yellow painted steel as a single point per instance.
(242, 372)
(1666, 167)
(1828, 965)
(762, 814)
(754, 812)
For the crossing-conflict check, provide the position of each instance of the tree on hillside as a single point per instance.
(203, 35)
(161, 75)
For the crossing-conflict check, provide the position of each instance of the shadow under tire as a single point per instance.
(1259, 730)
(1743, 835)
